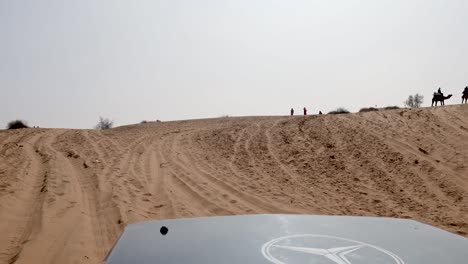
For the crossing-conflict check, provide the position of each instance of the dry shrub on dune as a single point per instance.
(104, 123)
(368, 109)
(16, 124)
(391, 107)
(339, 110)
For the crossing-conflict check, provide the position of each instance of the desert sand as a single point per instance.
(66, 195)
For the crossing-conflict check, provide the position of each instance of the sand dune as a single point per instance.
(65, 195)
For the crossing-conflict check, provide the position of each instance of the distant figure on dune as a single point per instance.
(465, 95)
(320, 112)
(440, 91)
(439, 97)
(305, 111)
(292, 111)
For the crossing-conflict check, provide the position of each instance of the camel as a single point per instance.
(464, 98)
(439, 98)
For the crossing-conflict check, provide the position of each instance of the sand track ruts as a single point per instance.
(65, 195)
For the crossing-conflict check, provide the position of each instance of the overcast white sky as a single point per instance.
(65, 63)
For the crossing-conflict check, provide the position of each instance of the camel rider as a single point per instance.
(466, 90)
(439, 92)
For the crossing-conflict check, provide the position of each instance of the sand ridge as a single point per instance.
(65, 195)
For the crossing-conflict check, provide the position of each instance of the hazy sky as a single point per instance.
(65, 63)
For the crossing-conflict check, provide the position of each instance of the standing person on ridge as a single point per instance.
(305, 111)
(292, 111)
(465, 95)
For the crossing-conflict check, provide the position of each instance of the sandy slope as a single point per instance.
(65, 195)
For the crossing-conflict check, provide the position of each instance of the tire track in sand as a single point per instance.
(26, 221)
(187, 193)
(228, 190)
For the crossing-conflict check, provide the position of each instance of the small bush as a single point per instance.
(104, 123)
(339, 110)
(368, 109)
(16, 124)
(414, 101)
(391, 107)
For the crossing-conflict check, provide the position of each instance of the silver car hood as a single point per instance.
(289, 239)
